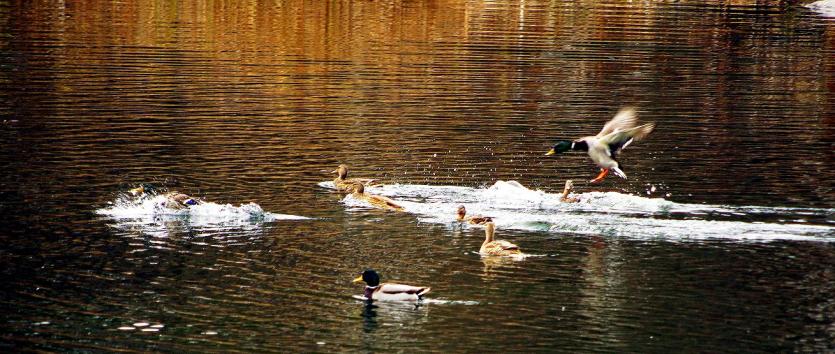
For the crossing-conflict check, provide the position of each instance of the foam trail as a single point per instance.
(513, 206)
(205, 213)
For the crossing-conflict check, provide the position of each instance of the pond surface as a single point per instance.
(721, 240)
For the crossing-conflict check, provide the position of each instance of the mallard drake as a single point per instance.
(569, 185)
(492, 247)
(344, 184)
(474, 219)
(603, 148)
(389, 291)
(376, 201)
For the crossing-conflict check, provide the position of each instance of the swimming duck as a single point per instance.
(569, 185)
(603, 148)
(344, 184)
(176, 200)
(142, 190)
(376, 201)
(492, 247)
(472, 220)
(389, 291)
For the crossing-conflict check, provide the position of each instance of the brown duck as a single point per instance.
(474, 219)
(492, 247)
(344, 184)
(376, 201)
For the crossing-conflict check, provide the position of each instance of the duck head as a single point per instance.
(462, 211)
(560, 147)
(370, 277)
(359, 188)
(341, 171)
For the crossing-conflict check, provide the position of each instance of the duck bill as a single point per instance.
(550, 152)
(357, 280)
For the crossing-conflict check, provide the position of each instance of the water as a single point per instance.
(721, 240)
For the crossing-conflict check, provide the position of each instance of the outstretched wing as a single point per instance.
(625, 119)
(619, 140)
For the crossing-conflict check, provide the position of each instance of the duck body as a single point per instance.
(604, 147)
(176, 200)
(492, 247)
(374, 290)
(375, 201)
(344, 184)
(473, 219)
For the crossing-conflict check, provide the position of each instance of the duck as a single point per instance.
(374, 290)
(173, 200)
(569, 185)
(344, 184)
(143, 190)
(492, 247)
(176, 200)
(604, 147)
(375, 201)
(472, 220)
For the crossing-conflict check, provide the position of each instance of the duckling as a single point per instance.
(603, 148)
(376, 201)
(472, 220)
(344, 184)
(389, 291)
(569, 185)
(492, 247)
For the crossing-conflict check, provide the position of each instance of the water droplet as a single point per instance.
(150, 330)
(209, 333)
(320, 343)
(140, 324)
(126, 328)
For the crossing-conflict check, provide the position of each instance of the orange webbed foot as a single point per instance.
(601, 176)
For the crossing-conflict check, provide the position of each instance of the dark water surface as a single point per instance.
(721, 240)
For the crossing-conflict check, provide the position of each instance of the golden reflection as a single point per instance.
(494, 267)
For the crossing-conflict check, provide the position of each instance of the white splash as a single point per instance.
(513, 206)
(825, 8)
(205, 213)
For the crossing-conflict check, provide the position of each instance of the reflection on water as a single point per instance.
(718, 241)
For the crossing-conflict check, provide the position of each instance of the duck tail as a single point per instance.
(423, 291)
(616, 170)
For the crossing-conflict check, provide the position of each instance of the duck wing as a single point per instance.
(479, 219)
(382, 202)
(394, 288)
(365, 181)
(400, 292)
(619, 140)
(505, 245)
(625, 119)
(499, 248)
